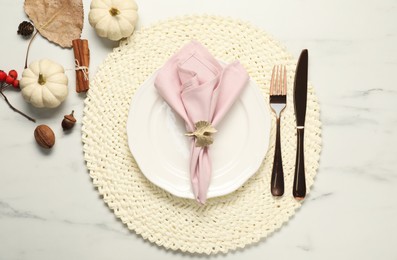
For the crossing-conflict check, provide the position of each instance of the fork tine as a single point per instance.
(279, 80)
(272, 81)
(276, 81)
(284, 92)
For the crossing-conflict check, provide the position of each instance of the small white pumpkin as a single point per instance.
(44, 84)
(113, 19)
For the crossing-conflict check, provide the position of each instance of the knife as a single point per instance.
(300, 100)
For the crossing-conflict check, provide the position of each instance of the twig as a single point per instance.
(27, 52)
(13, 108)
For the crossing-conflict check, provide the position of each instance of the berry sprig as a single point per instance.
(6, 81)
(10, 79)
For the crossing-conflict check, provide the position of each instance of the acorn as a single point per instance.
(68, 121)
(25, 29)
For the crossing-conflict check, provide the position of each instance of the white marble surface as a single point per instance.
(50, 210)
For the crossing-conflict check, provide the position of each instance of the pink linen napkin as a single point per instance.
(198, 88)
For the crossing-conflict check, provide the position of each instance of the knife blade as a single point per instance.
(300, 101)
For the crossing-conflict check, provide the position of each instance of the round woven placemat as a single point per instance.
(224, 223)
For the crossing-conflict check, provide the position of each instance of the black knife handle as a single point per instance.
(277, 181)
(299, 188)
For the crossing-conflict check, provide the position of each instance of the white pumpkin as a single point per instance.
(44, 84)
(113, 19)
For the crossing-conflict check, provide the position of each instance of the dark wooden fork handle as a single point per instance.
(277, 181)
(299, 188)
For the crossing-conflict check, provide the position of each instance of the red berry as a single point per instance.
(13, 74)
(9, 80)
(15, 84)
(3, 76)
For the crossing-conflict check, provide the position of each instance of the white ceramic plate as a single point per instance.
(156, 137)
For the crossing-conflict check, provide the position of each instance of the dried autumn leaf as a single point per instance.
(60, 21)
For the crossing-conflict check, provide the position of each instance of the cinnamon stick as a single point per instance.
(82, 59)
(86, 53)
(79, 73)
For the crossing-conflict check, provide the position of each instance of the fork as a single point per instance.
(278, 102)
